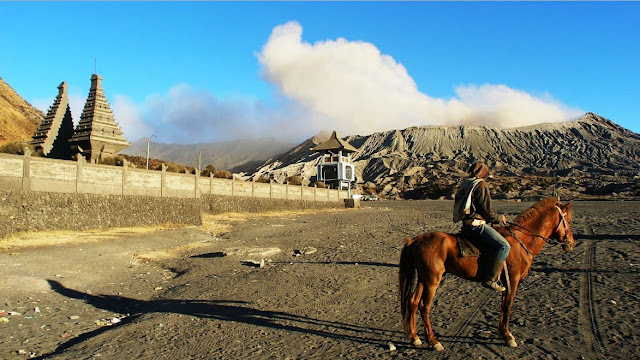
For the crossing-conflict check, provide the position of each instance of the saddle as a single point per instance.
(466, 247)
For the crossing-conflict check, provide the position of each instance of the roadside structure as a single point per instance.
(97, 134)
(335, 168)
(53, 135)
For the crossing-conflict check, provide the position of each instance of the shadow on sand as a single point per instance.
(225, 310)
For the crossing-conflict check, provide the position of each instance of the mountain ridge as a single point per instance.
(399, 161)
(235, 156)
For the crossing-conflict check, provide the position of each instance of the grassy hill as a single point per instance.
(18, 118)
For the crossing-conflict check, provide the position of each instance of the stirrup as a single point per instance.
(494, 285)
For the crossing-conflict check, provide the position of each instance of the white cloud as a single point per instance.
(128, 116)
(350, 86)
(187, 115)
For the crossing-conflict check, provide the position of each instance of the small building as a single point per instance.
(335, 168)
(52, 136)
(97, 134)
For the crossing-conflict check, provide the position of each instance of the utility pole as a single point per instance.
(200, 162)
(148, 143)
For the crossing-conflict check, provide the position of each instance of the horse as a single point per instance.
(430, 255)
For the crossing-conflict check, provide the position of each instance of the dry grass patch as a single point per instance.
(61, 237)
(219, 224)
(174, 252)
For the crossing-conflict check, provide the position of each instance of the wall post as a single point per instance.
(163, 181)
(26, 170)
(79, 165)
(125, 166)
(196, 187)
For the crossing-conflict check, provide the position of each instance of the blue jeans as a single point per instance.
(488, 239)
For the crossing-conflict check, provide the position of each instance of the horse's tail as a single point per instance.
(407, 279)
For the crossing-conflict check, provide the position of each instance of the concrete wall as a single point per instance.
(35, 211)
(48, 175)
(22, 211)
(44, 194)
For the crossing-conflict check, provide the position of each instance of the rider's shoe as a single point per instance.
(490, 280)
(493, 285)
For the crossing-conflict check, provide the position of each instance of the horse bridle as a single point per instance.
(562, 221)
(550, 241)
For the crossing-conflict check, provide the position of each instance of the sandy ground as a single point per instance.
(330, 291)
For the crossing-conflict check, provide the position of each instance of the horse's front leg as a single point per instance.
(507, 306)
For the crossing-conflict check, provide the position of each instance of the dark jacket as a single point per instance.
(481, 205)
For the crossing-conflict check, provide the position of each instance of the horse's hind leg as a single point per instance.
(432, 283)
(413, 307)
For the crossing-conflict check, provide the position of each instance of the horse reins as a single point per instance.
(546, 239)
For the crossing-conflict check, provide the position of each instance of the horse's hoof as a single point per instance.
(438, 347)
(512, 343)
(416, 342)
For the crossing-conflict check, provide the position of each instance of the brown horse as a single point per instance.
(431, 255)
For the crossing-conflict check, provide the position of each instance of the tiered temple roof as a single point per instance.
(53, 134)
(98, 135)
(335, 143)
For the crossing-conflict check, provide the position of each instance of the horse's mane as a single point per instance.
(536, 210)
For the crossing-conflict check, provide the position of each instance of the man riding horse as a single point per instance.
(472, 206)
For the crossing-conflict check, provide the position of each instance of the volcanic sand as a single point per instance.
(330, 292)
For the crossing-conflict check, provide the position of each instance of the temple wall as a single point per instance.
(49, 175)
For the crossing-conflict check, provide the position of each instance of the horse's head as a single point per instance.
(563, 233)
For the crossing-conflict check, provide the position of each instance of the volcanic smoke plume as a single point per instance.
(352, 87)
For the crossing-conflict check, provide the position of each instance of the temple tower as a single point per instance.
(335, 167)
(97, 135)
(53, 134)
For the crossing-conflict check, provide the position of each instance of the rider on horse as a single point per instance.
(473, 206)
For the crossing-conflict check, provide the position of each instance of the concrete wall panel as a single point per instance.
(294, 192)
(49, 185)
(144, 178)
(53, 170)
(308, 193)
(107, 175)
(142, 191)
(222, 187)
(11, 167)
(322, 194)
(89, 188)
(279, 191)
(242, 188)
(204, 185)
(261, 190)
(180, 182)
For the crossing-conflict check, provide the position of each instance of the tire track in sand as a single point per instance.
(469, 313)
(588, 312)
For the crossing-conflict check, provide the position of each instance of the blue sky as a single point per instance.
(192, 72)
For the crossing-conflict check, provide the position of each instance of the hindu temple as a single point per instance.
(52, 136)
(97, 134)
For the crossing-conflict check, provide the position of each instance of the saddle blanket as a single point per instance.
(466, 247)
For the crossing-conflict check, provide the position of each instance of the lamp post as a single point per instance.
(148, 143)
